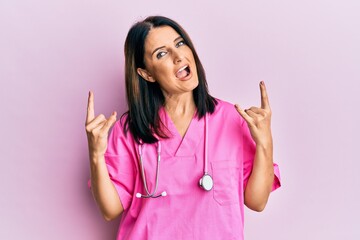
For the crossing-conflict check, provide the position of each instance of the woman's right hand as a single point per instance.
(104, 192)
(97, 129)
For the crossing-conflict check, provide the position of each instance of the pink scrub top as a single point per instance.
(187, 212)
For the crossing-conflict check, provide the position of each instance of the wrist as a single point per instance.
(264, 143)
(265, 148)
(96, 157)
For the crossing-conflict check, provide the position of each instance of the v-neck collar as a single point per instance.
(176, 145)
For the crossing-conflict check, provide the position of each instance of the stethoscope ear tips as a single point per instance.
(164, 194)
(138, 195)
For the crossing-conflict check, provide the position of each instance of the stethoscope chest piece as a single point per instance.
(206, 182)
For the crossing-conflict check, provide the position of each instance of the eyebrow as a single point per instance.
(179, 37)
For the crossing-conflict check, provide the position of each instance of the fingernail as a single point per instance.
(262, 82)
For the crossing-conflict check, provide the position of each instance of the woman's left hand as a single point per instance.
(259, 119)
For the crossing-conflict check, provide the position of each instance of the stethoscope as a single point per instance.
(206, 182)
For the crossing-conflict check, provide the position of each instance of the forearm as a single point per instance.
(103, 189)
(261, 179)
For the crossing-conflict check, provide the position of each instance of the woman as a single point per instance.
(180, 164)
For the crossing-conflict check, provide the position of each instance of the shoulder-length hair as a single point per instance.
(145, 98)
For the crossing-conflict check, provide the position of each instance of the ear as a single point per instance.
(145, 74)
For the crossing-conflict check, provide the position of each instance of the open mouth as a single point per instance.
(183, 72)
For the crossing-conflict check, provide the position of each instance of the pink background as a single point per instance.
(308, 53)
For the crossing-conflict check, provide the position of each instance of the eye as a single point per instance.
(180, 43)
(160, 55)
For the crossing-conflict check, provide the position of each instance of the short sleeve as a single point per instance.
(248, 149)
(120, 161)
(277, 179)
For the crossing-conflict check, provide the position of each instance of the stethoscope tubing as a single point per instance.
(206, 176)
(150, 195)
(206, 145)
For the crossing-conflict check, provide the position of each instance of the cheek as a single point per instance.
(189, 53)
(162, 72)
(165, 68)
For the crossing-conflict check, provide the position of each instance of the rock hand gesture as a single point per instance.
(97, 129)
(259, 119)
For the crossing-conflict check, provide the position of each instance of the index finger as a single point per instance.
(90, 108)
(264, 97)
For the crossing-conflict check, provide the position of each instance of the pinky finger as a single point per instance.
(245, 116)
(109, 122)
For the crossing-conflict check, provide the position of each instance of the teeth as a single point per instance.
(182, 68)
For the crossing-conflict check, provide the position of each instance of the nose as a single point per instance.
(178, 56)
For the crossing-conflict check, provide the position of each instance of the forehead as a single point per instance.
(160, 36)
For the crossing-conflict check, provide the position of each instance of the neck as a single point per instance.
(180, 105)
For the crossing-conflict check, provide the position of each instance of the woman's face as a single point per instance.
(169, 61)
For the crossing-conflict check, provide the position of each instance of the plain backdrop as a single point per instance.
(307, 52)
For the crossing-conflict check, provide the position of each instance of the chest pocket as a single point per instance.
(226, 182)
